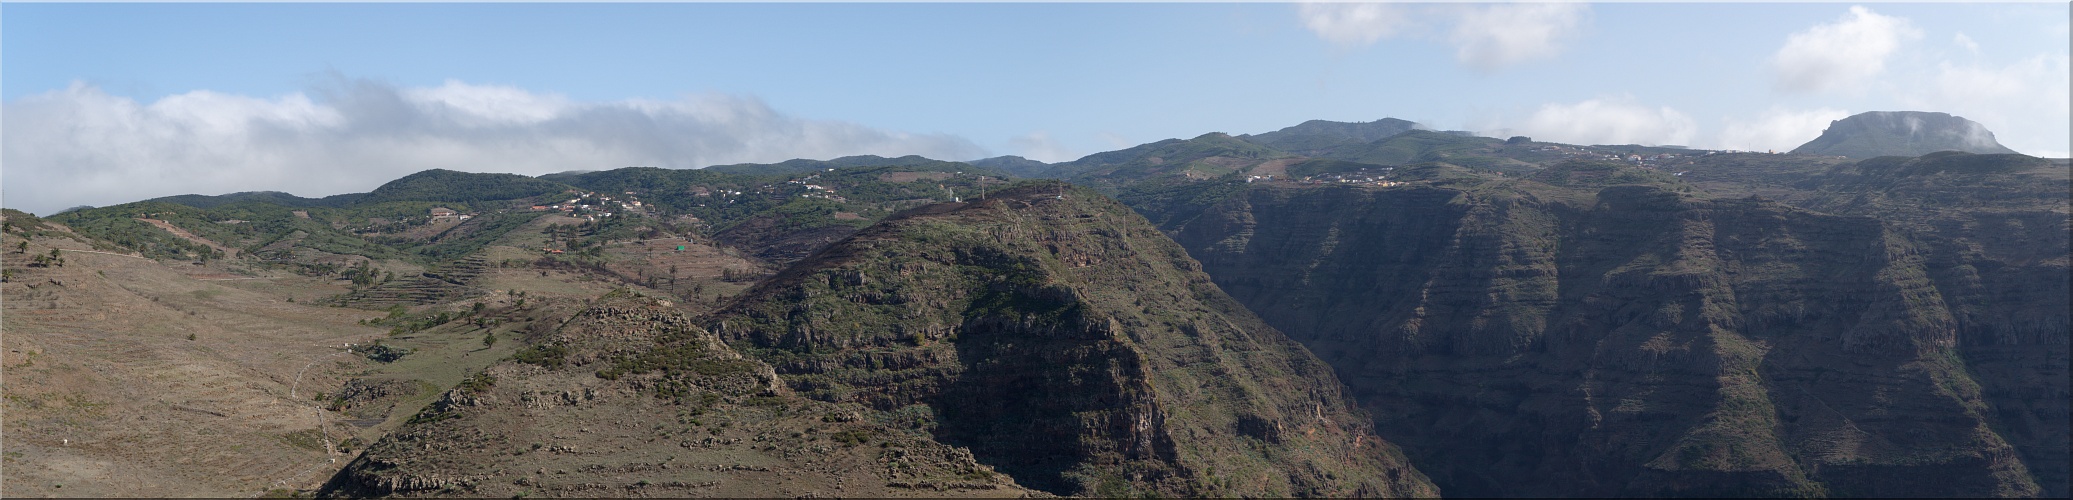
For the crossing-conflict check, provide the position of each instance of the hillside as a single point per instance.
(1067, 344)
(1168, 162)
(1015, 165)
(803, 166)
(270, 197)
(129, 377)
(965, 349)
(451, 186)
(1427, 146)
(1316, 136)
(1901, 133)
(561, 419)
(1596, 332)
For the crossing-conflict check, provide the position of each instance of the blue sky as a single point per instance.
(107, 103)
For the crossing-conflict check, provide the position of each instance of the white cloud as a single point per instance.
(485, 105)
(1501, 35)
(1840, 55)
(1041, 147)
(1486, 37)
(1778, 129)
(1608, 121)
(1966, 42)
(1354, 24)
(2024, 103)
(81, 145)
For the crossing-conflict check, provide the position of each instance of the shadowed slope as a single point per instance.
(1069, 344)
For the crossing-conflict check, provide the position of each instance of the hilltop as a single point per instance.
(1319, 135)
(1901, 133)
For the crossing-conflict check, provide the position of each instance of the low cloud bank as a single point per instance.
(81, 145)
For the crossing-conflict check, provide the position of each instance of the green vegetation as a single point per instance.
(381, 353)
(547, 355)
(478, 383)
(1316, 136)
(1417, 146)
(308, 439)
(450, 186)
(1168, 162)
(23, 223)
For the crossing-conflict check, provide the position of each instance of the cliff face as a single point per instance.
(1570, 336)
(1902, 133)
(1993, 233)
(1068, 344)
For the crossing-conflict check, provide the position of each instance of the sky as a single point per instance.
(103, 104)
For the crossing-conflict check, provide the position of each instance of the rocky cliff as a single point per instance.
(1600, 330)
(1069, 344)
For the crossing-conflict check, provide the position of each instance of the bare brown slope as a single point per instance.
(125, 377)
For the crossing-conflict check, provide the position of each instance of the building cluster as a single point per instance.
(443, 214)
(1638, 159)
(1650, 161)
(1361, 177)
(591, 205)
(815, 190)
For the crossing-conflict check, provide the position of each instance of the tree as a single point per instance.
(489, 340)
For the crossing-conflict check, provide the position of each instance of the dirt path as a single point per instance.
(109, 253)
(170, 228)
(317, 408)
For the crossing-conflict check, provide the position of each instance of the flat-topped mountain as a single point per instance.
(1901, 133)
